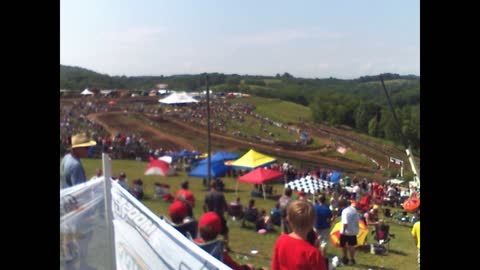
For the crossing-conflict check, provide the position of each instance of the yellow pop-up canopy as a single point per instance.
(252, 160)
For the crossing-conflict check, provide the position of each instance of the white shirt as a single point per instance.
(350, 217)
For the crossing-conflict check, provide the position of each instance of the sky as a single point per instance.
(343, 39)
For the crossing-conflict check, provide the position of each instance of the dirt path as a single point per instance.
(114, 125)
(115, 122)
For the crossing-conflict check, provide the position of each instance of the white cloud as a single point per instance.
(281, 36)
(136, 35)
(366, 67)
(323, 66)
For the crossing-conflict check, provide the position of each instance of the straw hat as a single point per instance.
(81, 140)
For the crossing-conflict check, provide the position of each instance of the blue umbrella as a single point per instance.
(335, 177)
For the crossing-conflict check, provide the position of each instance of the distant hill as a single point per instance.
(77, 78)
(358, 103)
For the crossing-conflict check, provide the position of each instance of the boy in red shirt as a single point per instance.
(186, 196)
(292, 251)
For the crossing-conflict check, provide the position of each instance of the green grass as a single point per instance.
(402, 250)
(387, 82)
(272, 81)
(259, 87)
(278, 110)
(349, 155)
(357, 157)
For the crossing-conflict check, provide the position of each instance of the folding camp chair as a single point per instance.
(235, 211)
(189, 229)
(251, 215)
(214, 247)
(382, 235)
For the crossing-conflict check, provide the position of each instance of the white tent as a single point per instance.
(105, 92)
(178, 98)
(86, 92)
(395, 181)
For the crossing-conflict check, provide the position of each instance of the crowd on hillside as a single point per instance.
(131, 145)
(224, 112)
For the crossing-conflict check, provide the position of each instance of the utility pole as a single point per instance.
(209, 150)
(408, 150)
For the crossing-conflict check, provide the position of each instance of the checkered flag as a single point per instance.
(309, 184)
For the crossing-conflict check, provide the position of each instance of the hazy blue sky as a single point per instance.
(311, 38)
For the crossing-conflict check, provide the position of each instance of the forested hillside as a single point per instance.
(359, 103)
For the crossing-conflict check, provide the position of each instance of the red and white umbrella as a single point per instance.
(167, 159)
(157, 167)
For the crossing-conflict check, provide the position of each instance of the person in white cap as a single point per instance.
(71, 168)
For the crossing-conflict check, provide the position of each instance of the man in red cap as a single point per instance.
(177, 211)
(179, 219)
(210, 225)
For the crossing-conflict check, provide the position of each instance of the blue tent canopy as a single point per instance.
(335, 177)
(185, 153)
(218, 169)
(220, 156)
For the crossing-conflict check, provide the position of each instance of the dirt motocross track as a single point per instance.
(119, 122)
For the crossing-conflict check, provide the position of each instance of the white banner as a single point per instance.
(142, 239)
(83, 234)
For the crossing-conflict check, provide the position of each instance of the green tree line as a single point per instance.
(359, 103)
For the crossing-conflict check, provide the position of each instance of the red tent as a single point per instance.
(260, 176)
(157, 167)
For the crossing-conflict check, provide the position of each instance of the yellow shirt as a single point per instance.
(416, 232)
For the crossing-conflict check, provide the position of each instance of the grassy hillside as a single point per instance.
(278, 110)
(402, 253)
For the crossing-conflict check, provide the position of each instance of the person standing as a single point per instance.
(72, 173)
(215, 202)
(71, 168)
(283, 202)
(293, 251)
(322, 222)
(416, 235)
(349, 230)
(186, 196)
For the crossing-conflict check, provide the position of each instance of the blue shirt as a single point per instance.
(71, 172)
(322, 216)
